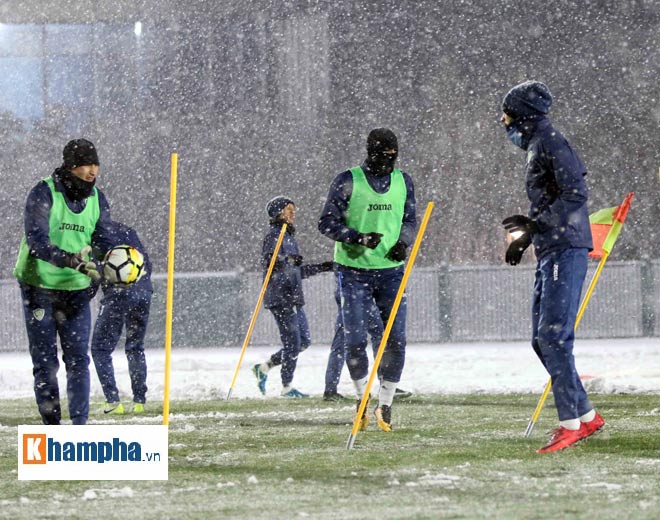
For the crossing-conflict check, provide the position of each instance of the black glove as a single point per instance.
(294, 260)
(326, 266)
(520, 223)
(397, 252)
(516, 249)
(370, 240)
(87, 267)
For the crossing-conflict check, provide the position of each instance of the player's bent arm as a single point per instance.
(409, 222)
(103, 238)
(331, 221)
(37, 227)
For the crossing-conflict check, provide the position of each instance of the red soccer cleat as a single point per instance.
(561, 438)
(591, 427)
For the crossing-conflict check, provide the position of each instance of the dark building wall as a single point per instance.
(263, 98)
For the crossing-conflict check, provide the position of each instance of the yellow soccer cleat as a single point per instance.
(113, 409)
(364, 420)
(383, 415)
(138, 408)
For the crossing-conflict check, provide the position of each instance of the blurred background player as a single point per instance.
(370, 214)
(558, 226)
(65, 214)
(123, 306)
(284, 295)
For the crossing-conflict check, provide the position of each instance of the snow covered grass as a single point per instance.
(449, 456)
(608, 366)
(457, 450)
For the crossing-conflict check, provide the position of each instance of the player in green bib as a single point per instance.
(65, 214)
(370, 214)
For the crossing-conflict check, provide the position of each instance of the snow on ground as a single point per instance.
(611, 366)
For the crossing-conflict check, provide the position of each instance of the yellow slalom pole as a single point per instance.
(390, 323)
(255, 313)
(583, 306)
(170, 290)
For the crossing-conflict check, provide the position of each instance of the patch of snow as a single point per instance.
(608, 365)
(125, 492)
(604, 485)
(648, 462)
(90, 494)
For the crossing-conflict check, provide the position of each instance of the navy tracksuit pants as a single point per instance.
(337, 355)
(122, 307)
(49, 314)
(557, 288)
(360, 289)
(294, 333)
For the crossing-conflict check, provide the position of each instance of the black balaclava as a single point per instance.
(78, 152)
(379, 141)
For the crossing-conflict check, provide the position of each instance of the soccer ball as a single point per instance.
(123, 265)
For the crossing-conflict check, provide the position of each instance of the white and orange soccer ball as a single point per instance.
(123, 265)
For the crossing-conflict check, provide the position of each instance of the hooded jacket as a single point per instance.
(556, 187)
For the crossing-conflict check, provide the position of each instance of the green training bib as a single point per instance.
(369, 211)
(70, 232)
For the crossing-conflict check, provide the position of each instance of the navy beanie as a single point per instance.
(79, 152)
(530, 98)
(276, 205)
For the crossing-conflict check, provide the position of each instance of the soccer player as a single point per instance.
(370, 214)
(129, 306)
(65, 214)
(558, 226)
(284, 295)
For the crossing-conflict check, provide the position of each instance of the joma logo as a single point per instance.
(379, 207)
(64, 226)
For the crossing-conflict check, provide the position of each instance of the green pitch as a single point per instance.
(448, 457)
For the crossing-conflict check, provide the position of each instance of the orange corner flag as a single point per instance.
(606, 225)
